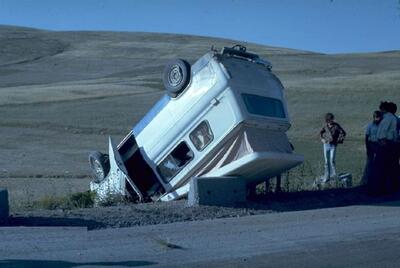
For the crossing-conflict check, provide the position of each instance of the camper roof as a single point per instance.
(151, 114)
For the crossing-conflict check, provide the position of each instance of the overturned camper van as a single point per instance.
(225, 115)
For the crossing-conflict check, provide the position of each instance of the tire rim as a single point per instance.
(98, 169)
(175, 76)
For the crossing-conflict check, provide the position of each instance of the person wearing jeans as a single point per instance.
(330, 165)
(331, 135)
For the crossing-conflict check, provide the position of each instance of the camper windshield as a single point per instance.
(263, 106)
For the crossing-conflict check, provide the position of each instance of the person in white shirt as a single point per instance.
(387, 130)
(395, 184)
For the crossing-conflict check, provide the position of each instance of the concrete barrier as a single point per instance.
(4, 208)
(217, 191)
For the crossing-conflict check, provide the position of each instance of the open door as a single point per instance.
(129, 175)
(141, 175)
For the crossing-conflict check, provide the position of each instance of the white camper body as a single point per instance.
(231, 120)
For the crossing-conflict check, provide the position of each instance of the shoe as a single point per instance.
(319, 182)
(334, 177)
(324, 180)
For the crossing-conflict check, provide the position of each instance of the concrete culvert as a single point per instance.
(4, 208)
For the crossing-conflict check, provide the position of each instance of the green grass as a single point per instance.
(349, 85)
(71, 201)
(350, 157)
(112, 200)
(352, 99)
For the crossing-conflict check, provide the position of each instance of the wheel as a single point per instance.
(176, 77)
(100, 165)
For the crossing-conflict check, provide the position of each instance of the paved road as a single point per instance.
(356, 236)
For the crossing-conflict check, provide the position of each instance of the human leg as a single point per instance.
(326, 148)
(332, 163)
(397, 168)
(371, 154)
(377, 180)
(391, 163)
(367, 170)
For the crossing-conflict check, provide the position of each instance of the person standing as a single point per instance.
(392, 108)
(385, 162)
(371, 145)
(331, 135)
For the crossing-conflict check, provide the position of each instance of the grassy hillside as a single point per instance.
(63, 93)
(351, 87)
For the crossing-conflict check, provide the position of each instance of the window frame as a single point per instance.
(243, 97)
(208, 143)
(165, 180)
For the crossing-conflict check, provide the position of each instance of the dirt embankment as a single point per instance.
(178, 211)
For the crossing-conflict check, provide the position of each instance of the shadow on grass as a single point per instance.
(306, 200)
(67, 264)
(32, 221)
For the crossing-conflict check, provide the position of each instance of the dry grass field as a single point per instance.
(63, 93)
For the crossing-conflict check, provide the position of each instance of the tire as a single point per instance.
(176, 77)
(100, 165)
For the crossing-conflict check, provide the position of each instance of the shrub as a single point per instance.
(112, 200)
(72, 201)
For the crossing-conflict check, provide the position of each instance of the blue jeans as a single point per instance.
(330, 161)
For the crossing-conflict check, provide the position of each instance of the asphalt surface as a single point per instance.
(353, 236)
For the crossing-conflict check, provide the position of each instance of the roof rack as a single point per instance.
(240, 52)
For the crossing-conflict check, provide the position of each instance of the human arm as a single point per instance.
(367, 135)
(367, 144)
(341, 134)
(321, 135)
(383, 129)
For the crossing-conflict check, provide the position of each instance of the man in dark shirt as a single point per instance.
(385, 168)
(371, 145)
(331, 135)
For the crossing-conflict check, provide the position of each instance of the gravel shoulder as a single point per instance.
(128, 215)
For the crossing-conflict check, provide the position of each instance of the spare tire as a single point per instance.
(100, 165)
(176, 77)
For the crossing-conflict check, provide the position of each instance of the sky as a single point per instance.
(327, 26)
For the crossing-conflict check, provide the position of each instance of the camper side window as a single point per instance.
(175, 161)
(264, 106)
(201, 136)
